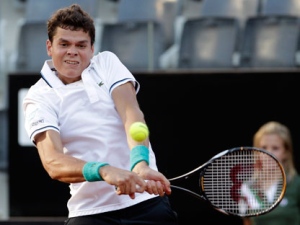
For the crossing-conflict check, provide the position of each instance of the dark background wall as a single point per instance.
(191, 117)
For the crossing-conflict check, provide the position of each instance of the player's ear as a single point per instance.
(49, 47)
(93, 49)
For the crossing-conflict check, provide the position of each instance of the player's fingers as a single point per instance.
(118, 190)
(132, 196)
(167, 188)
(155, 187)
(140, 188)
(122, 189)
(160, 188)
(149, 187)
(130, 189)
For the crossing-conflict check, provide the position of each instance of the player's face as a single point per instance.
(274, 144)
(71, 52)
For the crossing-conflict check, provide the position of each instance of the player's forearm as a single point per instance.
(65, 169)
(58, 165)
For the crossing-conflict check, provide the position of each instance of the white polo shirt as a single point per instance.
(84, 114)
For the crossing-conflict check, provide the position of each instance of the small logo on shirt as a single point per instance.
(37, 122)
(100, 84)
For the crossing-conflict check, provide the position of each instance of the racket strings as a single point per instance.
(243, 182)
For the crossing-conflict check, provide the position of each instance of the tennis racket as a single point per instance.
(242, 181)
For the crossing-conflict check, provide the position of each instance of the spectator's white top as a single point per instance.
(90, 127)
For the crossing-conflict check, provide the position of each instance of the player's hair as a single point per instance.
(274, 127)
(73, 18)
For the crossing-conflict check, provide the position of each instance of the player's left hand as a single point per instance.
(157, 183)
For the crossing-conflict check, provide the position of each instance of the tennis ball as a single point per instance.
(139, 131)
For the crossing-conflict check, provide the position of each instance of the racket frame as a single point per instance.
(201, 195)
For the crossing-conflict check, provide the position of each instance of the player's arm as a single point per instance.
(59, 166)
(124, 97)
(69, 169)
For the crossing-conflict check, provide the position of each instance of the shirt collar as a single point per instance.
(48, 73)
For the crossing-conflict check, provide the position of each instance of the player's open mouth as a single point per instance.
(72, 62)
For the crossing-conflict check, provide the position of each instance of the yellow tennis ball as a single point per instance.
(139, 131)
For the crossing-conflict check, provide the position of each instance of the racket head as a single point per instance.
(243, 181)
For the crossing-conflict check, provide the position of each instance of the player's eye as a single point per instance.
(81, 46)
(63, 44)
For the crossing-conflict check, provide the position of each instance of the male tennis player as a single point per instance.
(78, 116)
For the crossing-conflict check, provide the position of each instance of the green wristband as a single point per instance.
(90, 171)
(137, 154)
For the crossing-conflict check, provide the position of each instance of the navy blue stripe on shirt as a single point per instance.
(45, 80)
(118, 83)
(42, 128)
